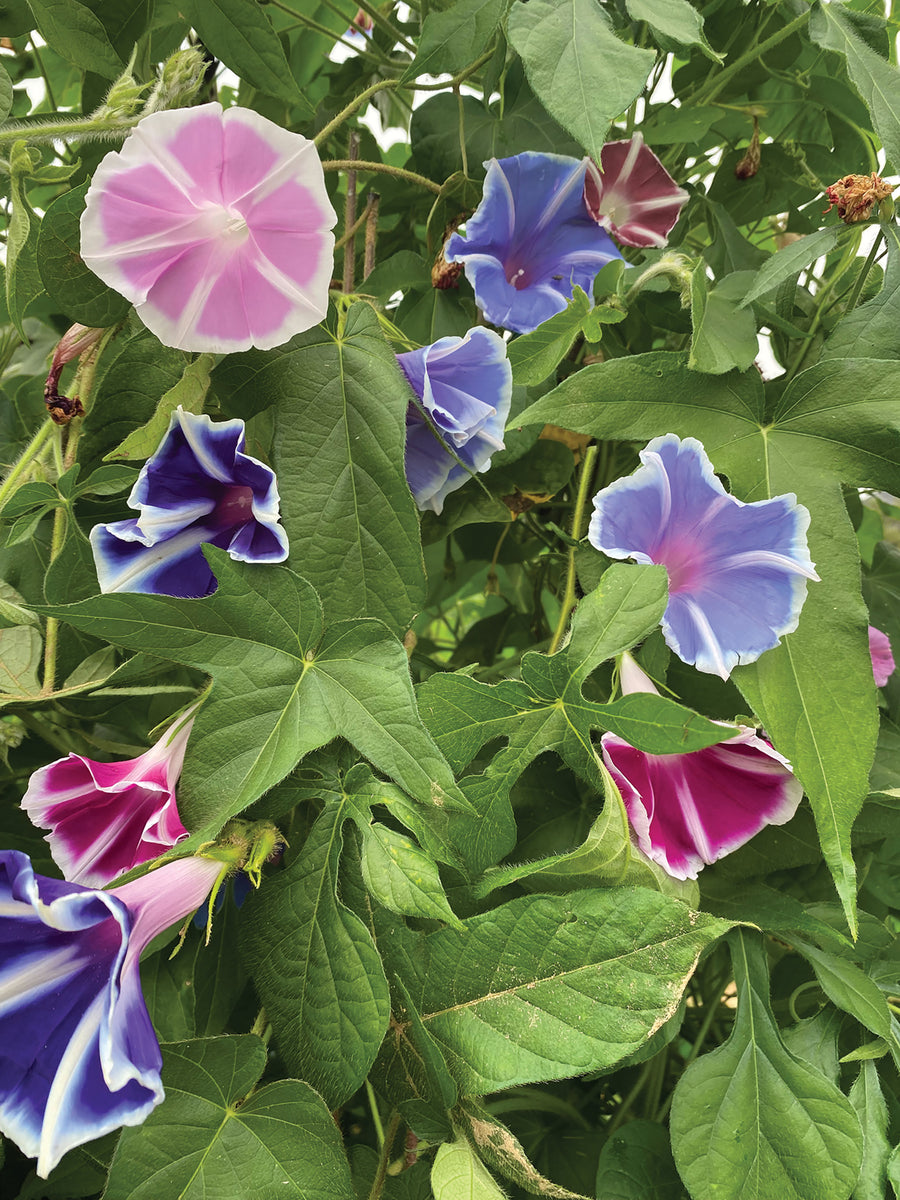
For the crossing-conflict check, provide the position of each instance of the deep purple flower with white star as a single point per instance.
(78, 1054)
(689, 810)
(465, 385)
(632, 194)
(198, 488)
(737, 572)
(531, 240)
(883, 665)
(106, 818)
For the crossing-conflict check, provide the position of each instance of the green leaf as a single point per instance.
(70, 284)
(545, 987)
(534, 356)
(793, 258)
(242, 36)
(580, 71)
(107, 481)
(189, 392)
(6, 94)
(749, 1121)
(870, 330)
(341, 406)
(411, 1065)
(835, 423)
(23, 282)
(265, 624)
(876, 80)
(11, 611)
(672, 21)
(454, 38)
(316, 968)
(214, 1135)
(459, 1174)
(505, 1154)
(849, 988)
(636, 1164)
(724, 335)
(401, 876)
(871, 1111)
(20, 660)
(77, 36)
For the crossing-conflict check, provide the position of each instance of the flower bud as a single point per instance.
(179, 80)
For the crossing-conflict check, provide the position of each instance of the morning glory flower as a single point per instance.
(106, 818)
(465, 385)
(531, 240)
(199, 487)
(737, 572)
(632, 194)
(688, 810)
(216, 226)
(78, 1055)
(883, 665)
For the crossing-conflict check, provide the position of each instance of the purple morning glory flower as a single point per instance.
(688, 810)
(737, 572)
(531, 240)
(199, 487)
(78, 1055)
(106, 818)
(465, 385)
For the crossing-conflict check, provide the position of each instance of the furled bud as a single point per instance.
(749, 164)
(855, 196)
(179, 80)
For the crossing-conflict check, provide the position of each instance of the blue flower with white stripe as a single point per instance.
(198, 488)
(531, 240)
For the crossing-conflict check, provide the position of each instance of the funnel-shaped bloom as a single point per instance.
(530, 240)
(465, 385)
(632, 194)
(883, 665)
(737, 572)
(78, 1055)
(688, 810)
(106, 818)
(198, 487)
(216, 225)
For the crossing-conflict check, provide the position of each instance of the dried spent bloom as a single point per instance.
(465, 385)
(199, 487)
(855, 196)
(531, 240)
(632, 194)
(78, 1055)
(737, 572)
(688, 810)
(883, 665)
(216, 226)
(106, 818)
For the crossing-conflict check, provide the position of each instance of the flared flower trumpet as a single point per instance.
(632, 194)
(465, 385)
(199, 487)
(737, 572)
(105, 818)
(216, 225)
(688, 810)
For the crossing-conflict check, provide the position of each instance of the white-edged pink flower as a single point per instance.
(688, 810)
(632, 194)
(105, 818)
(883, 665)
(216, 225)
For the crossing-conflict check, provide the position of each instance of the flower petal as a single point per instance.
(737, 572)
(883, 665)
(632, 194)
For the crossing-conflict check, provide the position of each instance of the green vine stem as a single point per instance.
(568, 600)
(384, 1158)
(347, 164)
(28, 457)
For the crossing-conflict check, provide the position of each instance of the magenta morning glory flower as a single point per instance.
(883, 665)
(106, 818)
(78, 1055)
(199, 487)
(688, 810)
(737, 572)
(216, 226)
(632, 194)
(465, 385)
(531, 240)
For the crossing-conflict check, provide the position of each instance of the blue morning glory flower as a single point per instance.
(199, 487)
(465, 385)
(78, 1055)
(737, 572)
(531, 240)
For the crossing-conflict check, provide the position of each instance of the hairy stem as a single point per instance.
(568, 600)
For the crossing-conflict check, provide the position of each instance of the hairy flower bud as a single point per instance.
(179, 80)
